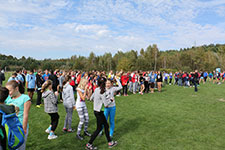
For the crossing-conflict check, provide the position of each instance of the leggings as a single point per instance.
(84, 119)
(68, 119)
(54, 120)
(101, 120)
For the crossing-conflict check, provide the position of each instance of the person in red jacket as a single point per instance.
(124, 80)
(73, 78)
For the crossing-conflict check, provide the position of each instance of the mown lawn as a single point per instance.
(176, 119)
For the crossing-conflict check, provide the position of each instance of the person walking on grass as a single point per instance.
(69, 103)
(99, 98)
(50, 103)
(31, 84)
(110, 111)
(82, 108)
(19, 99)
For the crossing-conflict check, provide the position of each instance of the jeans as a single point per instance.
(101, 121)
(110, 113)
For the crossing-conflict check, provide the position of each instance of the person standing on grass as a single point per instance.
(152, 81)
(39, 82)
(13, 77)
(110, 111)
(50, 103)
(17, 98)
(55, 82)
(171, 78)
(31, 84)
(19, 76)
(2, 76)
(195, 79)
(99, 98)
(141, 81)
(46, 75)
(69, 104)
(82, 108)
(146, 82)
(159, 80)
(61, 80)
(124, 80)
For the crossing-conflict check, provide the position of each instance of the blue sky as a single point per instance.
(62, 28)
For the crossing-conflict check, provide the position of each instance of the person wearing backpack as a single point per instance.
(17, 98)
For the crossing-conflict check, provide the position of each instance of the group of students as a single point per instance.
(95, 86)
(104, 101)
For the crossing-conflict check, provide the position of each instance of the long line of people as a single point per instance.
(96, 86)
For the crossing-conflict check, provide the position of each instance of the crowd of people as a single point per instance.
(57, 86)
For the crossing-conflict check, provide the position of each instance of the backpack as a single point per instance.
(14, 130)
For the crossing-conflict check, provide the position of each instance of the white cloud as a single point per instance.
(106, 25)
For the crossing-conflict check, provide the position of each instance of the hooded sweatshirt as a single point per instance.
(68, 96)
(50, 102)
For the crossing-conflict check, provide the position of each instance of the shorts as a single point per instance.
(152, 85)
(202, 78)
(30, 90)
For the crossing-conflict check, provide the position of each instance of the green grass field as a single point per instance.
(176, 119)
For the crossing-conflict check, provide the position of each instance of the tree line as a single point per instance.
(204, 58)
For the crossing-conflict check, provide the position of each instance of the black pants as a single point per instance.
(125, 89)
(196, 87)
(54, 120)
(146, 86)
(38, 97)
(171, 80)
(101, 120)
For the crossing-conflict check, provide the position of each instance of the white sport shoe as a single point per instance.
(47, 131)
(51, 137)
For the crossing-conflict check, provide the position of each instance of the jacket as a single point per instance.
(68, 96)
(50, 102)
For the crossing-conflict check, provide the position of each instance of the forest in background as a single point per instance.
(204, 58)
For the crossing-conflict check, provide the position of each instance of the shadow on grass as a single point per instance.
(127, 126)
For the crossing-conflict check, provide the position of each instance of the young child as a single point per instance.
(69, 103)
(82, 108)
(110, 111)
(50, 103)
(99, 99)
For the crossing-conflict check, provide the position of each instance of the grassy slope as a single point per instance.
(175, 119)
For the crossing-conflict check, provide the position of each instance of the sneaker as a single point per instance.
(64, 130)
(51, 137)
(90, 147)
(79, 137)
(112, 144)
(47, 131)
(38, 106)
(100, 134)
(86, 133)
(70, 130)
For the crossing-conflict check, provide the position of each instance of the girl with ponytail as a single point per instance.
(50, 103)
(19, 99)
(68, 102)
